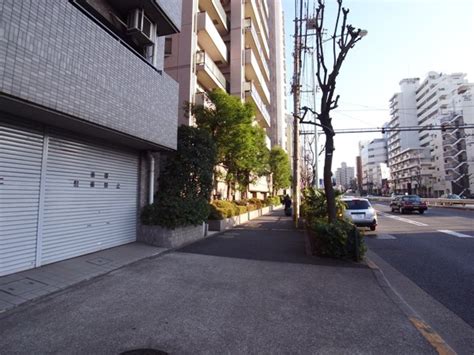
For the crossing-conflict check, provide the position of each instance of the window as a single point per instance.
(357, 205)
(168, 46)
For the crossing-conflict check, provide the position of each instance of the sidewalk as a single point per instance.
(28, 285)
(247, 290)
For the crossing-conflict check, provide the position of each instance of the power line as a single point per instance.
(395, 129)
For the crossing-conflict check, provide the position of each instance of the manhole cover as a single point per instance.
(144, 352)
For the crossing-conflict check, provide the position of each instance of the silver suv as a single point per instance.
(360, 212)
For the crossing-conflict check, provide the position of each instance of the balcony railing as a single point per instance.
(209, 38)
(204, 63)
(252, 92)
(253, 72)
(217, 13)
(253, 38)
(252, 10)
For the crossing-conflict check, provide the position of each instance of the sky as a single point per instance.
(406, 38)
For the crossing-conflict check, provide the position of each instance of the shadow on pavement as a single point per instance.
(268, 238)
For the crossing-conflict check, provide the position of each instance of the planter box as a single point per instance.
(170, 238)
(223, 224)
(254, 214)
(265, 210)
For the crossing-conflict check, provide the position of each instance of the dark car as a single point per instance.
(408, 203)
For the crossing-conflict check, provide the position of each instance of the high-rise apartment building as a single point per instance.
(236, 46)
(344, 176)
(434, 99)
(432, 162)
(458, 143)
(407, 160)
(84, 108)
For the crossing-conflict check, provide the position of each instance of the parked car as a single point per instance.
(360, 212)
(451, 197)
(408, 203)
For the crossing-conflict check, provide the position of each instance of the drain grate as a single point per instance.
(144, 352)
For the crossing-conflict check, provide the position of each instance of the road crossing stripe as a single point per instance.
(401, 219)
(456, 234)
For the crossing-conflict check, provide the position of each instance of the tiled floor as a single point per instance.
(18, 288)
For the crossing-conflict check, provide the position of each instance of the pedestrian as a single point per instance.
(287, 203)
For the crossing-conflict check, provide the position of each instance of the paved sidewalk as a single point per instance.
(24, 286)
(248, 290)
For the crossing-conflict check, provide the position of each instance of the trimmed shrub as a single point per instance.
(336, 240)
(172, 212)
(251, 208)
(256, 202)
(242, 209)
(272, 201)
(241, 202)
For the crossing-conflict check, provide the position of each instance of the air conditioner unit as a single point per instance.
(141, 28)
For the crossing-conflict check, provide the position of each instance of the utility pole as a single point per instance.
(296, 119)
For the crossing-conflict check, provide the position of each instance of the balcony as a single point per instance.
(253, 73)
(252, 95)
(217, 13)
(251, 10)
(208, 74)
(209, 38)
(202, 99)
(251, 39)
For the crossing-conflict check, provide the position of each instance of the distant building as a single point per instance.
(374, 167)
(344, 175)
(431, 162)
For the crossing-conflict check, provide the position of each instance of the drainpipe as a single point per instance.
(151, 184)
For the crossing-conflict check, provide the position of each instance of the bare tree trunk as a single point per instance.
(328, 188)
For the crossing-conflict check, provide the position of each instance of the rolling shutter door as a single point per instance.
(90, 199)
(21, 152)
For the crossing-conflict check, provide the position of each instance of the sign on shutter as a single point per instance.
(90, 199)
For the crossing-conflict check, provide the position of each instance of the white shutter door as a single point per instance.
(90, 199)
(21, 152)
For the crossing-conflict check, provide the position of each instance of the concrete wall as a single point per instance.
(53, 55)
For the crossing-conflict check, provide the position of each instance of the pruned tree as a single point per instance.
(328, 65)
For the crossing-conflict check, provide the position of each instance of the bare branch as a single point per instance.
(339, 3)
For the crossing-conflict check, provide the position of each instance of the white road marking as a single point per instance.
(456, 234)
(401, 219)
(385, 236)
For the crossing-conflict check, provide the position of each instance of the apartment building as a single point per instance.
(236, 46)
(374, 165)
(84, 107)
(458, 142)
(409, 163)
(344, 176)
(434, 99)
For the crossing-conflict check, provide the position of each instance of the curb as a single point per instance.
(435, 340)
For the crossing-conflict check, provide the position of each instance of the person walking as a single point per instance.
(287, 203)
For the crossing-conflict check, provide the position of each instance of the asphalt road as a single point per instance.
(435, 251)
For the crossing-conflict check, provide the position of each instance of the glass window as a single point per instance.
(357, 204)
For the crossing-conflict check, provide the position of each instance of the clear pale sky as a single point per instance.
(406, 38)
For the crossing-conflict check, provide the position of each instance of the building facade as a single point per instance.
(374, 165)
(236, 46)
(84, 107)
(458, 143)
(345, 176)
(426, 161)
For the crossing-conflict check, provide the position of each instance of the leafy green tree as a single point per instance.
(280, 169)
(186, 183)
(241, 148)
